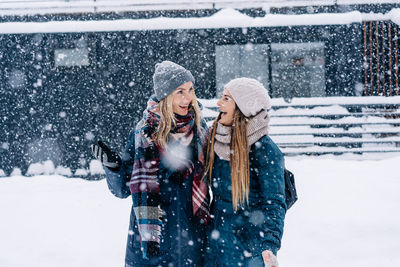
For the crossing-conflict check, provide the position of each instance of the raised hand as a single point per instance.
(107, 157)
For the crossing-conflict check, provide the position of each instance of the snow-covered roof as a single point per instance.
(33, 7)
(225, 18)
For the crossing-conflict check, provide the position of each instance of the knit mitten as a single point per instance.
(109, 159)
(270, 259)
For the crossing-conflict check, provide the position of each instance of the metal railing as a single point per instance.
(381, 58)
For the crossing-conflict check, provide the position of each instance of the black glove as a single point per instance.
(151, 250)
(109, 159)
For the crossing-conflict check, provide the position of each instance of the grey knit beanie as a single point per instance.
(250, 95)
(168, 76)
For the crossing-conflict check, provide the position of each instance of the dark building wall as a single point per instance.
(344, 60)
(56, 112)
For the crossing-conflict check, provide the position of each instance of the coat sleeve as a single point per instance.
(118, 181)
(270, 169)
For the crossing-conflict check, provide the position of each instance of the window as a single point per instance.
(298, 70)
(75, 57)
(234, 61)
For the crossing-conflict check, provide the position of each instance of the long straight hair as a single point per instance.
(239, 159)
(167, 119)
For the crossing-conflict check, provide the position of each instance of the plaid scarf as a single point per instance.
(145, 180)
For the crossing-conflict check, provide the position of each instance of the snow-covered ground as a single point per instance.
(347, 215)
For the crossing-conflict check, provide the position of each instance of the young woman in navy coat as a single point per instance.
(246, 172)
(162, 170)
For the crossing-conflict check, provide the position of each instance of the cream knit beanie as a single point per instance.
(250, 95)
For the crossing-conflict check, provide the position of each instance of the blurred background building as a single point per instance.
(75, 71)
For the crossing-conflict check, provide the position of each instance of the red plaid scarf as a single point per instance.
(145, 184)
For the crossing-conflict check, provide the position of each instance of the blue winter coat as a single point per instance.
(237, 238)
(183, 237)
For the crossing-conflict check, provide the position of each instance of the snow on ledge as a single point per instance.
(36, 7)
(225, 18)
(394, 15)
(322, 101)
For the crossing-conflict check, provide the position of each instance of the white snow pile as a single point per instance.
(347, 215)
(48, 168)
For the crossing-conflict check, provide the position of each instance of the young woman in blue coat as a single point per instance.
(246, 172)
(162, 169)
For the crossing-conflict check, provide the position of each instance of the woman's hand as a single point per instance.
(270, 259)
(107, 157)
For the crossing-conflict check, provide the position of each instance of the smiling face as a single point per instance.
(227, 108)
(181, 98)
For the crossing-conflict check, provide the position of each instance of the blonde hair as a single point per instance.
(167, 119)
(239, 158)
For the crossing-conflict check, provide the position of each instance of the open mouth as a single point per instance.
(223, 113)
(184, 107)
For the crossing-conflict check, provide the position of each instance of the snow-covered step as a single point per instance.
(311, 138)
(326, 125)
(330, 150)
(331, 131)
(332, 102)
(348, 101)
(347, 119)
(329, 112)
(320, 141)
(333, 123)
(387, 115)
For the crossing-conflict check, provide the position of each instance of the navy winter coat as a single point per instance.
(237, 238)
(183, 237)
